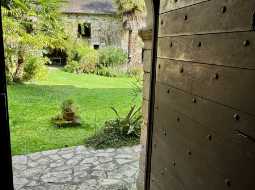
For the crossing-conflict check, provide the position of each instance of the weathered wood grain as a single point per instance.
(202, 168)
(228, 49)
(215, 116)
(169, 5)
(209, 17)
(215, 83)
(195, 171)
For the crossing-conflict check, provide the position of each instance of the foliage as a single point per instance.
(110, 139)
(89, 60)
(108, 72)
(29, 27)
(81, 57)
(35, 67)
(110, 61)
(125, 6)
(132, 12)
(136, 71)
(84, 59)
(111, 56)
(133, 15)
(5, 3)
(76, 48)
(120, 131)
(72, 67)
(129, 125)
(137, 88)
(68, 106)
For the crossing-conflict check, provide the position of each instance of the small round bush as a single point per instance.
(35, 67)
(111, 56)
(72, 67)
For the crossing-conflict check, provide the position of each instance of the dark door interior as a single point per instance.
(5, 158)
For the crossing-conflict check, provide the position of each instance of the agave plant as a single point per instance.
(121, 131)
(128, 125)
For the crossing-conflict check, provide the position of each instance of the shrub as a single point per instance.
(135, 71)
(89, 60)
(72, 67)
(111, 56)
(35, 67)
(119, 132)
(81, 58)
(84, 59)
(137, 88)
(107, 71)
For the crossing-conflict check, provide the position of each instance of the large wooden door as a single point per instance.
(204, 114)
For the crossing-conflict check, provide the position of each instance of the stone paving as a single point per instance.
(77, 168)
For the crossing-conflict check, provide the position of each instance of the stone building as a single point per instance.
(95, 21)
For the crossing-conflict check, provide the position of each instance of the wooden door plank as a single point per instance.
(226, 49)
(170, 5)
(195, 171)
(216, 83)
(191, 170)
(208, 113)
(209, 17)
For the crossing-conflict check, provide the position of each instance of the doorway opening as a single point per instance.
(93, 87)
(58, 57)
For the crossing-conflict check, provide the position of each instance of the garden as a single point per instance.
(32, 105)
(95, 99)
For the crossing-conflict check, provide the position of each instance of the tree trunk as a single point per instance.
(133, 53)
(17, 77)
(129, 46)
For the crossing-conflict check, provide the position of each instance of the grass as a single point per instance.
(32, 105)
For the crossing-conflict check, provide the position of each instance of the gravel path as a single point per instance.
(77, 168)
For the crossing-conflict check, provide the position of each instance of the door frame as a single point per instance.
(155, 15)
(5, 145)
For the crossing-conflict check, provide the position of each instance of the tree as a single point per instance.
(133, 15)
(5, 3)
(30, 28)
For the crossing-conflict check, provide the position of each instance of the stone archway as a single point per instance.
(147, 37)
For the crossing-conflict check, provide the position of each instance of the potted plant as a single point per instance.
(68, 110)
(68, 116)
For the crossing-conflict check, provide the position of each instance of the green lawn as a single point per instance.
(32, 105)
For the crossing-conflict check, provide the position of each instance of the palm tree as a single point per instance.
(5, 3)
(133, 15)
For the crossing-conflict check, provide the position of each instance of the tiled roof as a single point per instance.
(89, 7)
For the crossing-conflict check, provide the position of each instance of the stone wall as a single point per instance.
(106, 30)
(145, 109)
(146, 35)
